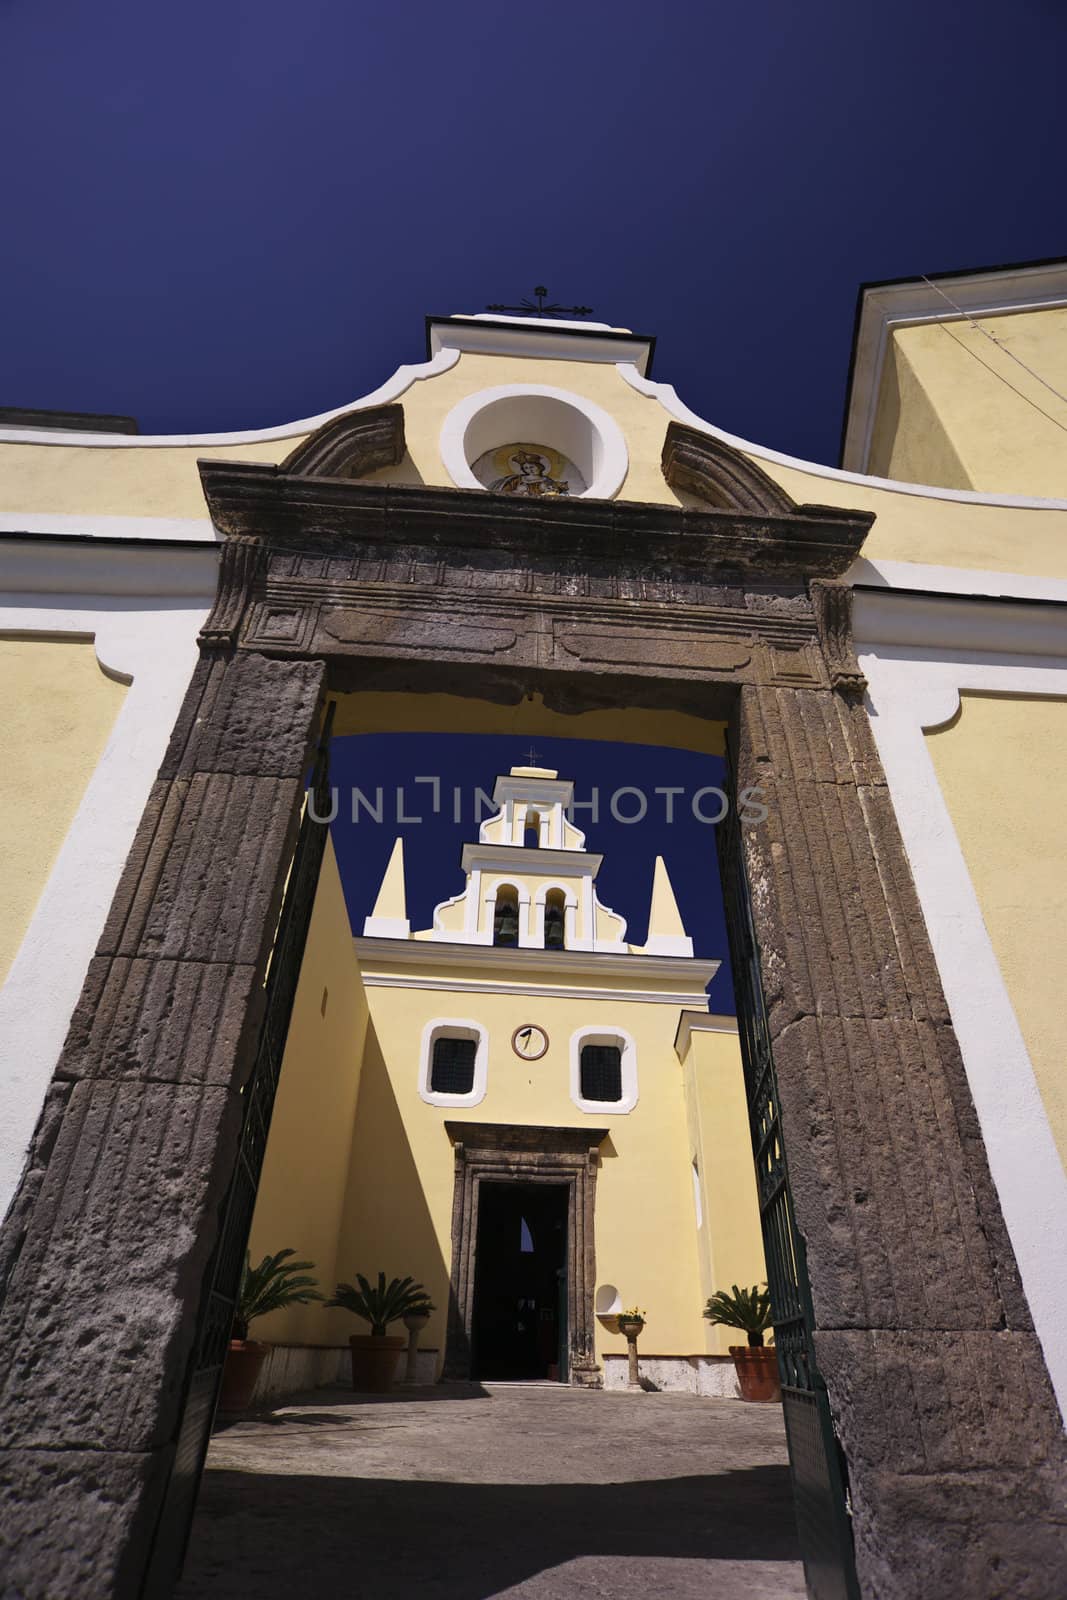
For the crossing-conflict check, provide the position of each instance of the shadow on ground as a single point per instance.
(273, 1536)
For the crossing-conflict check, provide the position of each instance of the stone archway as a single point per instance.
(936, 1381)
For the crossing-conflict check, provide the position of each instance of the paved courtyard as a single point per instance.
(461, 1493)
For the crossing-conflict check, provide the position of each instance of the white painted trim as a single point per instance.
(453, 1028)
(517, 858)
(192, 530)
(691, 1022)
(668, 399)
(543, 338)
(105, 577)
(631, 964)
(680, 997)
(611, 1035)
(889, 306)
(907, 693)
(155, 649)
(472, 427)
(401, 380)
(977, 630)
(955, 580)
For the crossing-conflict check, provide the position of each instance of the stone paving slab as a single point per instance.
(463, 1493)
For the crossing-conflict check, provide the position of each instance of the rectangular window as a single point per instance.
(601, 1072)
(452, 1071)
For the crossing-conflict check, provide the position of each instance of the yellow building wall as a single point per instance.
(966, 413)
(729, 1241)
(1002, 767)
(398, 1212)
(57, 709)
(145, 480)
(305, 1171)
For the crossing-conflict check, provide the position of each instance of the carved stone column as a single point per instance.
(110, 1235)
(937, 1383)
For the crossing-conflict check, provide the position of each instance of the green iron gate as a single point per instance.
(815, 1458)
(224, 1274)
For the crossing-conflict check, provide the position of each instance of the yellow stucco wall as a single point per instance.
(57, 708)
(398, 1213)
(967, 414)
(305, 1170)
(143, 480)
(1002, 767)
(729, 1242)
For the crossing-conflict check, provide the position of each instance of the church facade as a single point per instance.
(550, 1127)
(528, 534)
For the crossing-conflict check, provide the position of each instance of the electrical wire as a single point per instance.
(1002, 347)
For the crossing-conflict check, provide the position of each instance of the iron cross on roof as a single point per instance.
(531, 754)
(543, 310)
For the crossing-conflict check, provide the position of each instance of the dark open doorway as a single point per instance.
(519, 1325)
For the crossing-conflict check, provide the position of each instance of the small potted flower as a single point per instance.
(630, 1322)
(275, 1283)
(375, 1355)
(756, 1364)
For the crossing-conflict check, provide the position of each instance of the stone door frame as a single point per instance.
(937, 1385)
(499, 1153)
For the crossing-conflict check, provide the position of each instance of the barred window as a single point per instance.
(601, 1072)
(452, 1071)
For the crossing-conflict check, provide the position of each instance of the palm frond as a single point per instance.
(383, 1304)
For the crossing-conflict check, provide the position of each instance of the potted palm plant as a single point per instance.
(275, 1283)
(756, 1364)
(375, 1355)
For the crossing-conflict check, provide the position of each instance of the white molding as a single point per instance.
(189, 530)
(978, 629)
(691, 1022)
(907, 692)
(539, 991)
(595, 1033)
(105, 577)
(453, 1028)
(889, 306)
(154, 649)
(542, 338)
(631, 964)
(496, 416)
(520, 858)
(401, 380)
(975, 581)
(668, 399)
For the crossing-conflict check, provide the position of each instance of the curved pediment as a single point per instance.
(350, 446)
(720, 476)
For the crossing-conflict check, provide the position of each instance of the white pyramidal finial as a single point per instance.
(666, 931)
(389, 919)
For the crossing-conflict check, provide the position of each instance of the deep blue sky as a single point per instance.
(232, 215)
(433, 846)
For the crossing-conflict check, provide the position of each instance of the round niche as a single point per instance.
(534, 443)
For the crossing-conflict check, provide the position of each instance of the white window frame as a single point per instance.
(453, 1028)
(624, 1042)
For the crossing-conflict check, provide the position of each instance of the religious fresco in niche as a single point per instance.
(533, 470)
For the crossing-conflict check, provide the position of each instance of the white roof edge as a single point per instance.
(442, 361)
(887, 306)
(668, 399)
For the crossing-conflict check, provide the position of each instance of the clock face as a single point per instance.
(529, 1042)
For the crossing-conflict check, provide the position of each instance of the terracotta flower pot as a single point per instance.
(244, 1362)
(756, 1366)
(374, 1361)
